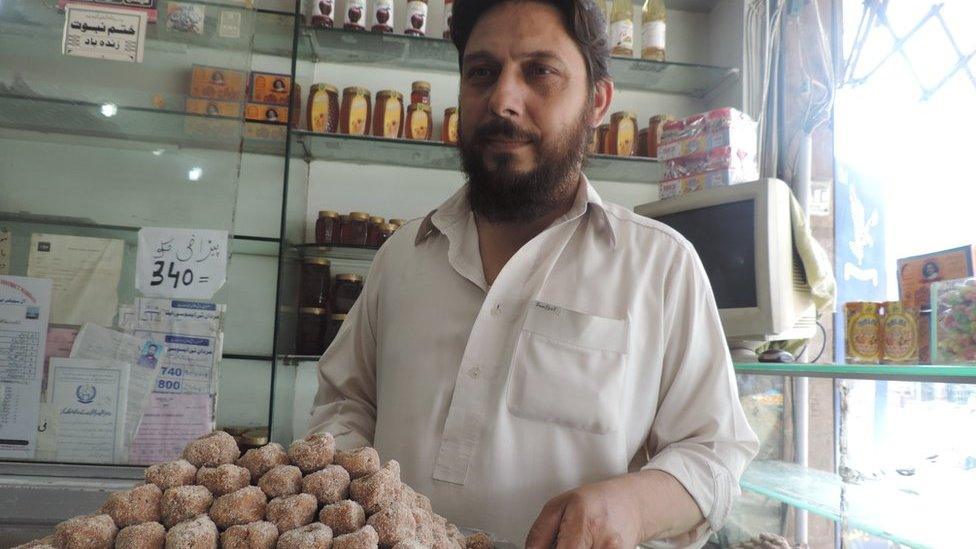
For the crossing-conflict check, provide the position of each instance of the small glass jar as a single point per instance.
(655, 129)
(373, 232)
(623, 133)
(345, 292)
(398, 222)
(388, 114)
(382, 16)
(420, 92)
(449, 131)
(448, 14)
(323, 108)
(353, 231)
(416, 18)
(312, 324)
(419, 122)
(355, 15)
(386, 231)
(326, 228)
(315, 281)
(322, 14)
(354, 116)
(602, 134)
(333, 329)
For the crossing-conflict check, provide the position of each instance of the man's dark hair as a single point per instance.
(584, 22)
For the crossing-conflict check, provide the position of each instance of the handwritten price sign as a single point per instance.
(181, 263)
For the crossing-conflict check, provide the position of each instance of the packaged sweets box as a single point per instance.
(703, 132)
(916, 274)
(953, 322)
(706, 180)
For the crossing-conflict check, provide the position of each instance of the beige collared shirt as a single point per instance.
(596, 352)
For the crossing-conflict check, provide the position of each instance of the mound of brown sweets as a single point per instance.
(308, 496)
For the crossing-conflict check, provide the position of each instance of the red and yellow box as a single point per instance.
(267, 87)
(262, 112)
(217, 83)
(916, 274)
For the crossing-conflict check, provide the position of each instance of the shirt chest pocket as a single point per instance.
(568, 368)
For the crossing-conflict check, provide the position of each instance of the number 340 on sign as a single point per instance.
(181, 263)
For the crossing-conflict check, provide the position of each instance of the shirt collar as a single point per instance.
(456, 208)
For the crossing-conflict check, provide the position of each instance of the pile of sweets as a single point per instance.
(310, 497)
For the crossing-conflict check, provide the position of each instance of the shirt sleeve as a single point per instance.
(345, 403)
(700, 434)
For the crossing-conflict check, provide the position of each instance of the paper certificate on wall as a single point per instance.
(168, 424)
(86, 273)
(88, 398)
(24, 308)
(102, 32)
(181, 263)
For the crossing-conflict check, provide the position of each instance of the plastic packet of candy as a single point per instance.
(720, 158)
(954, 321)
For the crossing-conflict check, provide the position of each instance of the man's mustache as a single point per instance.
(502, 128)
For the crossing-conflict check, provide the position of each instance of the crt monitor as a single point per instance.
(744, 237)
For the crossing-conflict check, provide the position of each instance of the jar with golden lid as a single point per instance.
(623, 133)
(312, 324)
(315, 281)
(398, 222)
(323, 108)
(373, 232)
(419, 122)
(386, 231)
(354, 116)
(345, 292)
(353, 230)
(449, 131)
(420, 92)
(388, 114)
(327, 228)
(416, 18)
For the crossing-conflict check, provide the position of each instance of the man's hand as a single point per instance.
(617, 513)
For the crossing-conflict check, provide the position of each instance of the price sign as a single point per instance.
(181, 263)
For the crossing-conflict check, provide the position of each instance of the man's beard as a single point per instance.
(502, 195)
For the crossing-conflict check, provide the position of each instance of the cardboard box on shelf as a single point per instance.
(267, 87)
(916, 274)
(217, 83)
(726, 127)
(213, 107)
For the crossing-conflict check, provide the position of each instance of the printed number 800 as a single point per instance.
(167, 384)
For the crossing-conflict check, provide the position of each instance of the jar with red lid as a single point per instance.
(315, 282)
(419, 122)
(312, 325)
(326, 228)
(354, 115)
(420, 92)
(382, 16)
(354, 230)
(416, 18)
(355, 15)
(345, 292)
(373, 232)
(323, 109)
(388, 114)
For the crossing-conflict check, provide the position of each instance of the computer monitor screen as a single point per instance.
(725, 238)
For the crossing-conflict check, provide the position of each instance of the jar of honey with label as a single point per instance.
(323, 108)
(354, 229)
(327, 228)
(623, 134)
(420, 92)
(449, 131)
(388, 114)
(419, 122)
(354, 115)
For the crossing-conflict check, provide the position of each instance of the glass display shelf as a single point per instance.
(347, 253)
(110, 125)
(397, 51)
(904, 510)
(439, 156)
(934, 373)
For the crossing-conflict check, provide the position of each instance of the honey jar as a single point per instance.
(623, 133)
(382, 16)
(353, 230)
(416, 18)
(386, 231)
(345, 292)
(315, 282)
(312, 325)
(863, 321)
(388, 114)
(327, 228)
(354, 116)
(323, 109)
(373, 232)
(355, 15)
(602, 134)
(420, 92)
(419, 122)
(449, 131)
(397, 222)
(655, 128)
(642, 144)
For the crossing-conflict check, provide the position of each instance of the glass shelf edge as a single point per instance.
(936, 373)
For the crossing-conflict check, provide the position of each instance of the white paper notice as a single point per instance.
(86, 273)
(25, 304)
(5, 252)
(88, 397)
(102, 32)
(169, 423)
(143, 356)
(181, 263)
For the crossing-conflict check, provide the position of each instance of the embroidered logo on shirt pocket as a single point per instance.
(568, 369)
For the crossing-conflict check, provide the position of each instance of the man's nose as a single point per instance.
(507, 95)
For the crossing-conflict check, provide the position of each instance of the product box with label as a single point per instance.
(266, 87)
(149, 6)
(702, 132)
(262, 112)
(707, 180)
(916, 274)
(217, 83)
(213, 107)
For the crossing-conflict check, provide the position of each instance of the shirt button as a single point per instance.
(496, 310)
(474, 372)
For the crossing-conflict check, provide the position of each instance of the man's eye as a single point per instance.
(541, 70)
(479, 72)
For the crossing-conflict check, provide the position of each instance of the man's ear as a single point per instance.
(602, 97)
